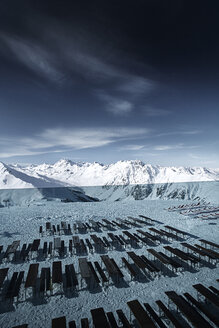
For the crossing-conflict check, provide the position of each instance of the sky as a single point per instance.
(109, 80)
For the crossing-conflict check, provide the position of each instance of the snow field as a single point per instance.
(22, 223)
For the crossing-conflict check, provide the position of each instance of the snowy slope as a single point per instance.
(68, 173)
(131, 180)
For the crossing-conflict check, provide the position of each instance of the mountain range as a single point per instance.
(95, 180)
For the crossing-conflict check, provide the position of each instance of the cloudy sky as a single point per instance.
(109, 80)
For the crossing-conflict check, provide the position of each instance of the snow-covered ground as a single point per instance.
(22, 223)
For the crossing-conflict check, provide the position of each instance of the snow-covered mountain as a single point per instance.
(68, 173)
(89, 181)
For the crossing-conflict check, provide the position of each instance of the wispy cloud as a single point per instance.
(130, 147)
(155, 112)
(116, 105)
(60, 140)
(174, 146)
(64, 58)
(34, 58)
(179, 132)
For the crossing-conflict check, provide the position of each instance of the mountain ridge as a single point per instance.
(66, 173)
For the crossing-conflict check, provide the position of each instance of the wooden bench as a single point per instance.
(57, 272)
(169, 315)
(182, 255)
(137, 260)
(123, 319)
(112, 320)
(129, 267)
(200, 306)
(207, 294)
(209, 251)
(22, 252)
(59, 322)
(91, 249)
(84, 323)
(210, 243)
(99, 318)
(50, 248)
(45, 248)
(143, 319)
(11, 285)
(3, 275)
(94, 274)
(70, 246)
(121, 275)
(32, 275)
(177, 231)
(111, 269)
(72, 324)
(149, 236)
(196, 319)
(101, 273)
(18, 283)
(131, 237)
(35, 245)
(73, 275)
(154, 315)
(215, 290)
(150, 266)
(172, 262)
(48, 226)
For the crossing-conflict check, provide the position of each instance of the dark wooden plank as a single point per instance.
(32, 275)
(68, 276)
(121, 275)
(42, 280)
(18, 284)
(45, 248)
(48, 279)
(154, 315)
(210, 243)
(57, 272)
(59, 322)
(99, 318)
(93, 272)
(109, 265)
(3, 274)
(207, 294)
(84, 323)
(153, 267)
(35, 245)
(215, 290)
(112, 320)
(140, 314)
(173, 263)
(101, 273)
(72, 324)
(169, 315)
(73, 275)
(84, 268)
(129, 267)
(11, 285)
(202, 307)
(196, 319)
(137, 260)
(123, 319)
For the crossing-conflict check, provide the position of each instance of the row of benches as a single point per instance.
(145, 237)
(97, 226)
(189, 311)
(89, 272)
